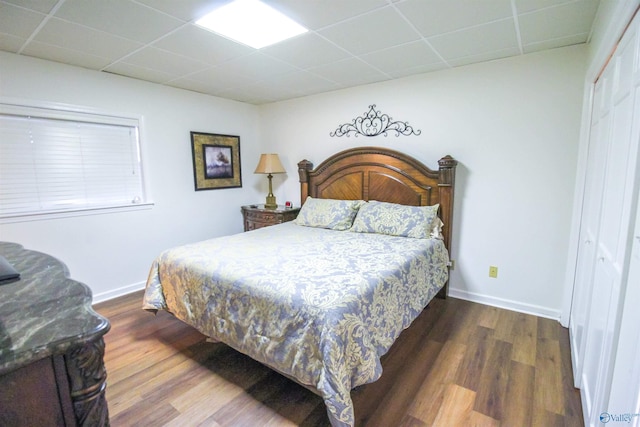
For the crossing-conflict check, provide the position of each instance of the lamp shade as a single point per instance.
(269, 163)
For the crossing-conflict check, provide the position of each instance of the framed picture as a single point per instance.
(216, 161)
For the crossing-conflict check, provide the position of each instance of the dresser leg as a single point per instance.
(87, 380)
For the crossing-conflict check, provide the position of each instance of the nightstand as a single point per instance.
(256, 216)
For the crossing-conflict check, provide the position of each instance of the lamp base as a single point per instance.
(271, 203)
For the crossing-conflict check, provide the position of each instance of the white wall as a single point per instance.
(112, 252)
(513, 125)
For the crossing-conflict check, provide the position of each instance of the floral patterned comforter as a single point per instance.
(321, 306)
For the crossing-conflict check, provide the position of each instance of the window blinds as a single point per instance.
(67, 162)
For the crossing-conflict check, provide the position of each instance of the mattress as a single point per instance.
(320, 306)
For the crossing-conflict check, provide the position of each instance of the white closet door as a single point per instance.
(613, 241)
(592, 206)
(625, 383)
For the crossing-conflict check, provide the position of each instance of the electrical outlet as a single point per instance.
(493, 271)
(452, 264)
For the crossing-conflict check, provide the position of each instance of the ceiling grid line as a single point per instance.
(424, 39)
(516, 24)
(144, 46)
(44, 21)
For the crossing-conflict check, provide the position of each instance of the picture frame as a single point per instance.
(216, 161)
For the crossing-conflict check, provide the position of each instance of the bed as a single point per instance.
(322, 298)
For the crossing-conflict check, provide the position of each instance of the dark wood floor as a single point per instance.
(462, 364)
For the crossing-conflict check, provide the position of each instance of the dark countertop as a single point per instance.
(45, 312)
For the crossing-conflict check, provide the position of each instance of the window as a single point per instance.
(57, 161)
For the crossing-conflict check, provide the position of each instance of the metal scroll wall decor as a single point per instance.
(374, 123)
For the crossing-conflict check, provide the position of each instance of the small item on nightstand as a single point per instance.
(253, 206)
(288, 205)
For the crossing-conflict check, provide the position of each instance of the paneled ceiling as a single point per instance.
(350, 42)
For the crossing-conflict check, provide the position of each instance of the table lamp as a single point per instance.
(270, 164)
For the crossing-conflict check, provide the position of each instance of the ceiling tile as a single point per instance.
(478, 40)
(257, 66)
(316, 14)
(243, 95)
(43, 6)
(554, 43)
(556, 22)
(165, 62)
(348, 71)
(432, 17)
(10, 43)
(373, 31)
(66, 56)
(272, 90)
(300, 82)
(196, 86)
(406, 56)
(77, 37)
(121, 17)
(202, 45)
(219, 78)
(306, 51)
(524, 6)
(17, 21)
(138, 72)
(420, 69)
(185, 10)
(487, 56)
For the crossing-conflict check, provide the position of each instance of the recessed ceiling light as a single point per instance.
(251, 22)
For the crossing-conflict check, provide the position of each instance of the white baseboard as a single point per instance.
(104, 296)
(535, 310)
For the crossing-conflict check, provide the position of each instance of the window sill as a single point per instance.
(72, 213)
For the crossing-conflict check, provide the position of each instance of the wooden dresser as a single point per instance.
(257, 216)
(51, 346)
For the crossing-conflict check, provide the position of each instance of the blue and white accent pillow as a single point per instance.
(328, 213)
(418, 222)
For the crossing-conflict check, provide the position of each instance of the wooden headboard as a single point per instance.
(374, 173)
